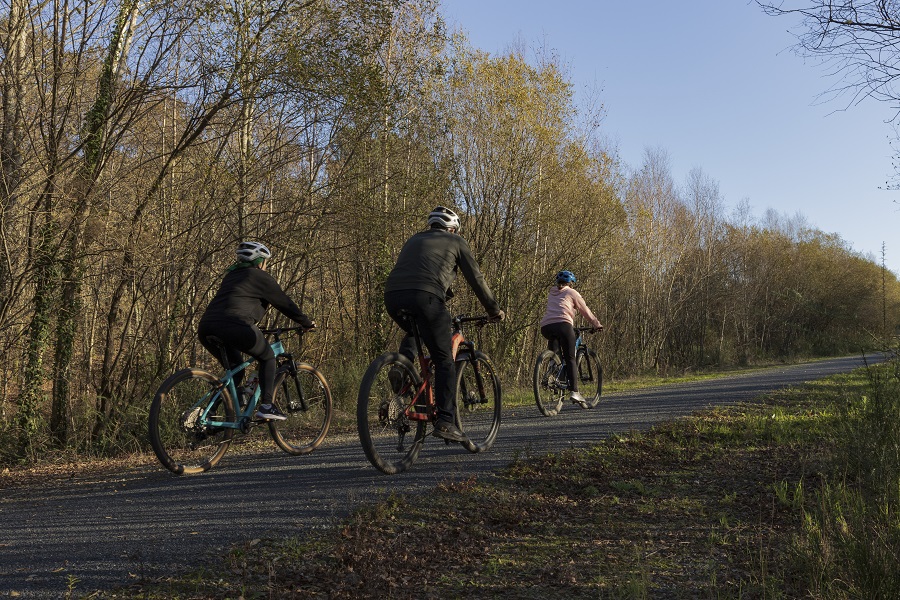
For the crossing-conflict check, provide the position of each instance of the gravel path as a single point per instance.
(106, 531)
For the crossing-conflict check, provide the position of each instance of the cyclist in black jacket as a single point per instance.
(243, 297)
(420, 283)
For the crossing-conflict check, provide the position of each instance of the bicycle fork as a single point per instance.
(471, 398)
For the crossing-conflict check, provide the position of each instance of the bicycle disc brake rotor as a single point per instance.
(471, 401)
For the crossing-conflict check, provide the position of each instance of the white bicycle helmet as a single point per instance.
(444, 217)
(250, 251)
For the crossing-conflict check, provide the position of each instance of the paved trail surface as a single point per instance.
(107, 531)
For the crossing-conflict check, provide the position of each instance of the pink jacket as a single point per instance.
(563, 305)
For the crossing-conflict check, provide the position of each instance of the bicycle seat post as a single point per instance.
(414, 329)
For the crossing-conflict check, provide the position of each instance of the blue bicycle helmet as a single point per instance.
(565, 277)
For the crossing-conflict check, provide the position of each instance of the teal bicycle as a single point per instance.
(195, 414)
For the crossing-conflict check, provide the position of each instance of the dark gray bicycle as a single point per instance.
(551, 385)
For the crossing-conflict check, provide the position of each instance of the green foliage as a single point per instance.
(851, 537)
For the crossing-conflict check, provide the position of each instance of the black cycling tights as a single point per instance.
(433, 321)
(239, 338)
(562, 336)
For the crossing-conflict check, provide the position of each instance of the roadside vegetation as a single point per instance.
(794, 495)
(159, 134)
(66, 461)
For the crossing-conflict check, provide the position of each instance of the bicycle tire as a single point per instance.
(548, 395)
(179, 442)
(478, 407)
(590, 377)
(305, 399)
(380, 414)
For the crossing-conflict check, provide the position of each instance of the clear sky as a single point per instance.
(715, 84)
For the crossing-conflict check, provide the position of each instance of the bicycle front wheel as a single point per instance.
(478, 401)
(390, 439)
(548, 390)
(306, 400)
(590, 377)
(180, 433)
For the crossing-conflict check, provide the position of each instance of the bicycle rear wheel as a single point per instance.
(182, 441)
(478, 401)
(548, 391)
(306, 400)
(389, 438)
(590, 377)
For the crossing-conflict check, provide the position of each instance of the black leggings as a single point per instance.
(561, 336)
(433, 321)
(240, 337)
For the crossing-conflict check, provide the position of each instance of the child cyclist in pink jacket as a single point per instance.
(558, 326)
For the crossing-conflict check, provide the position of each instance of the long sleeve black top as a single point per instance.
(245, 294)
(430, 260)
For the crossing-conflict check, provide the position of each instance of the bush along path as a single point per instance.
(758, 500)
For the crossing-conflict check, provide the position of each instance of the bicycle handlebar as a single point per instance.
(588, 329)
(279, 330)
(480, 320)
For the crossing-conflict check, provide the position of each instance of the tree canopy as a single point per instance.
(141, 141)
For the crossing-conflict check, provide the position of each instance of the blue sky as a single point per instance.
(715, 84)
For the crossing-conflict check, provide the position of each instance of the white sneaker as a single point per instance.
(577, 398)
(270, 413)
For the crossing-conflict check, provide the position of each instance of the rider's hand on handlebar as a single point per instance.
(499, 316)
(597, 329)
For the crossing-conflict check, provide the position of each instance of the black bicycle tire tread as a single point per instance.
(594, 400)
(488, 443)
(153, 424)
(547, 412)
(329, 408)
(362, 417)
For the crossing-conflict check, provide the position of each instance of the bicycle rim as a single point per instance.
(590, 377)
(478, 402)
(548, 395)
(306, 401)
(182, 441)
(389, 438)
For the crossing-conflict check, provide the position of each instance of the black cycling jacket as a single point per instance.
(245, 294)
(429, 262)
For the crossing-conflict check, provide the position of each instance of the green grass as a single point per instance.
(524, 396)
(795, 495)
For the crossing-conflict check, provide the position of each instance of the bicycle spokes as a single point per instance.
(385, 414)
(185, 433)
(550, 383)
(478, 401)
(304, 397)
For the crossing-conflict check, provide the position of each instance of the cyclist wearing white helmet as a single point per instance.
(558, 326)
(244, 295)
(420, 283)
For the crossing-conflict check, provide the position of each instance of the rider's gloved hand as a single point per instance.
(598, 329)
(498, 316)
